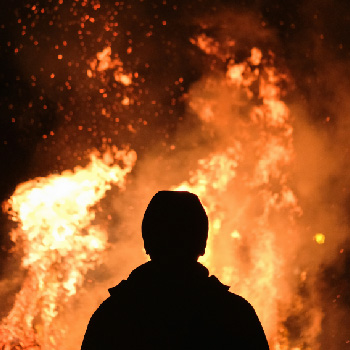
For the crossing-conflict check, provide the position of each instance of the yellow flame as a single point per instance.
(60, 241)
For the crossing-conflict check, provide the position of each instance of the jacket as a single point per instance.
(173, 306)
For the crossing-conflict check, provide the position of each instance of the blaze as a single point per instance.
(244, 182)
(59, 241)
(245, 187)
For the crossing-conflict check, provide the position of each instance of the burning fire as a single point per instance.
(60, 243)
(242, 248)
(243, 187)
(241, 167)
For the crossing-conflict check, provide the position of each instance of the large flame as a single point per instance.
(245, 187)
(60, 243)
(241, 163)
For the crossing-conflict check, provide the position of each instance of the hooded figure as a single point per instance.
(171, 302)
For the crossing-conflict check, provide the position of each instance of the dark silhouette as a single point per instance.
(171, 302)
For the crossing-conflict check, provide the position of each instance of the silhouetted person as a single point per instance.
(171, 302)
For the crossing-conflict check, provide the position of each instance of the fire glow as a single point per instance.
(235, 135)
(60, 244)
(55, 217)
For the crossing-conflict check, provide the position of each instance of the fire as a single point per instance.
(60, 243)
(123, 77)
(213, 175)
(242, 247)
(243, 185)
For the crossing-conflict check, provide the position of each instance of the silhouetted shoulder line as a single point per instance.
(215, 282)
(219, 286)
(118, 287)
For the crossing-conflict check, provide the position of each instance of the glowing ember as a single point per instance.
(320, 238)
(60, 243)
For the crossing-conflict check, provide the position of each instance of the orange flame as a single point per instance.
(244, 186)
(242, 249)
(60, 243)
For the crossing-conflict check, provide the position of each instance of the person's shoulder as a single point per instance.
(103, 309)
(228, 296)
(118, 289)
(108, 304)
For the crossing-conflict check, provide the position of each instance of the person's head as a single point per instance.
(175, 226)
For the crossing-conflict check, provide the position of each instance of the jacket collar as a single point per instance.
(152, 274)
(170, 270)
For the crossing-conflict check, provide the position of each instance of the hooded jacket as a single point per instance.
(168, 306)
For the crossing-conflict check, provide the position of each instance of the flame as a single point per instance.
(242, 247)
(60, 243)
(214, 174)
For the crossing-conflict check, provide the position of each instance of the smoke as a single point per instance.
(182, 110)
(321, 179)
